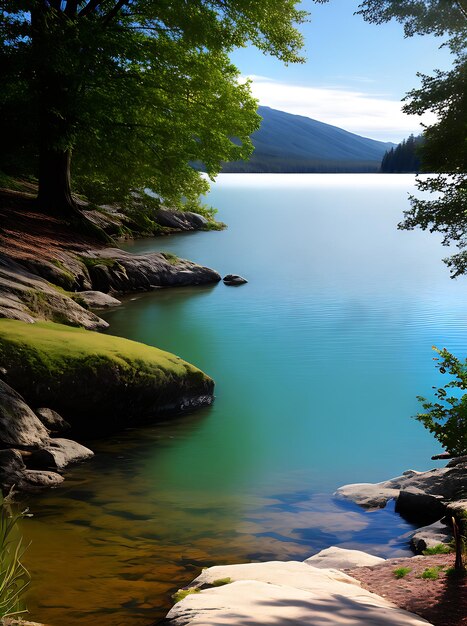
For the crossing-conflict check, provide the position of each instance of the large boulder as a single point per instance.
(99, 383)
(14, 474)
(114, 270)
(180, 220)
(57, 454)
(290, 593)
(19, 426)
(430, 536)
(52, 420)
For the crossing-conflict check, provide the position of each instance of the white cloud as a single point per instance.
(370, 115)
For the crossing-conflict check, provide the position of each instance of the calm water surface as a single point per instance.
(317, 362)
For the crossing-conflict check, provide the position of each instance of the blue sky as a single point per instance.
(355, 75)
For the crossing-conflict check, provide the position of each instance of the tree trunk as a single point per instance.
(54, 182)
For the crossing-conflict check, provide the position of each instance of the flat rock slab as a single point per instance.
(98, 299)
(291, 593)
(340, 558)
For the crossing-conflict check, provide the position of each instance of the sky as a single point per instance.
(355, 75)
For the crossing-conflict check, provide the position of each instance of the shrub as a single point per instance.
(447, 417)
(441, 548)
(431, 573)
(401, 572)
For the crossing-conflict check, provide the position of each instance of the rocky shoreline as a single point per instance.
(52, 285)
(342, 585)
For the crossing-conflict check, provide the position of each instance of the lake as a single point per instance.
(317, 361)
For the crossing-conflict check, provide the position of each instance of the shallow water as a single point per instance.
(317, 362)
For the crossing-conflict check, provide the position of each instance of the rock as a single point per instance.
(285, 593)
(234, 279)
(19, 426)
(98, 299)
(430, 536)
(180, 220)
(340, 558)
(368, 495)
(13, 473)
(56, 454)
(123, 272)
(99, 383)
(52, 420)
(457, 460)
(442, 485)
(26, 297)
(419, 507)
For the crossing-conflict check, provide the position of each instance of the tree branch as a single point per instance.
(113, 12)
(462, 8)
(90, 7)
(71, 7)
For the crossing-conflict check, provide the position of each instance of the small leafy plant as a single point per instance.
(431, 573)
(401, 572)
(446, 418)
(440, 548)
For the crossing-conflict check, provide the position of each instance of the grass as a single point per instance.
(221, 581)
(440, 548)
(47, 347)
(431, 573)
(179, 595)
(14, 577)
(401, 572)
(173, 259)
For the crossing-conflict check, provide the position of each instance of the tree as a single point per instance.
(444, 149)
(446, 418)
(134, 90)
(404, 157)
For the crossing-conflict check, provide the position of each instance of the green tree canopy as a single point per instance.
(136, 90)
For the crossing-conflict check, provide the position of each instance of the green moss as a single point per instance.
(99, 383)
(90, 262)
(401, 572)
(221, 581)
(440, 548)
(51, 346)
(179, 595)
(173, 259)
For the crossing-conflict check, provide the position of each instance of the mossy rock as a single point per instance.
(97, 382)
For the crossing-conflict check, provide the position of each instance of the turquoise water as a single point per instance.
(318, 359)
(317, 363)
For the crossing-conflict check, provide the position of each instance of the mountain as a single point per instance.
(293, 143)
